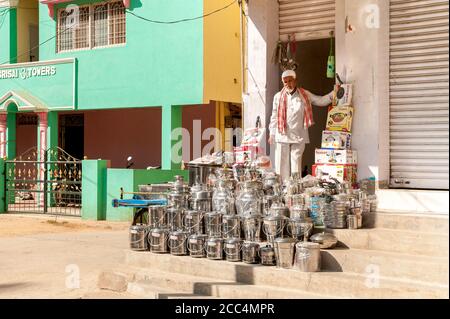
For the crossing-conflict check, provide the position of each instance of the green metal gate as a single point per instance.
(44, 182)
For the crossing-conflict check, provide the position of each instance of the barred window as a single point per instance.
(96, 25)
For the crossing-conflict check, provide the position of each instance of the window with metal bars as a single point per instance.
(98, 25)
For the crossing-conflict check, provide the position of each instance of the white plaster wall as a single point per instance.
(363, 59)
(262, 74)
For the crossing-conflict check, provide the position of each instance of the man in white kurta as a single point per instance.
(291, 143)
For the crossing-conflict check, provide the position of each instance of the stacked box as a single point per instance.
(336, 140)
(341, 172)
(326, 156)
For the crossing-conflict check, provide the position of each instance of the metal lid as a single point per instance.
(274, 218)
(251, 244)
(178, 233)
(307, 244)
(267, 248)
(215, 239)
(198, 236)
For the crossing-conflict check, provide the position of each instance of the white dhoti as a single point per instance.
(288, 159)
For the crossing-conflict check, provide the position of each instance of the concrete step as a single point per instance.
(431, 223)
(327, 284)
(402, 241)
(425, 269)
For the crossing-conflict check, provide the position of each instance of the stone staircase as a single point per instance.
(396, 255)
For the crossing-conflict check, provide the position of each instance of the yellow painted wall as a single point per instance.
(222, 52)
(27, 13)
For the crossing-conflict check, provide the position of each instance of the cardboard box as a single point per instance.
(253, 136)
(327, 156)
(343, 94)
(340, 119)
(247, 153)
(336, 140)
(341, 172)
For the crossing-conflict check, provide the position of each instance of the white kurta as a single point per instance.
(290, 146)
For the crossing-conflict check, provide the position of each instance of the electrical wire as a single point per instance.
(182, 20)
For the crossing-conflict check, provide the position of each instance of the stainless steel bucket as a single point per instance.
(307, 256)
(214, 248)
(177, 243)
(175, 218)
(352, 222)
(274, 226)
(252, 228)
(231, 226)
(139, 237)
(193, 222)
(250, 253)
(157, 216)
(233, 247)
(267, 255)
(284, 252)
(196, 245)
(158, 239)
(299, 228)
(213, 224)
(199, 204)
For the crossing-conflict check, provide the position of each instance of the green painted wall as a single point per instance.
(2, 186)
(130, 179)
(55, 89)
(8, 35)
(160, 64)
(94, 189)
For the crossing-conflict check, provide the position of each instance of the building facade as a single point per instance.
(112, 79)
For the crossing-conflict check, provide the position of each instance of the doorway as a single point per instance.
(71, 134)
(312, 57)
(34, 42)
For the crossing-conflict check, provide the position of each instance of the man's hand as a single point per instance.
(271, 139)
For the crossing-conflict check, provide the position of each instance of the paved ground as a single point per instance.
(40, 256)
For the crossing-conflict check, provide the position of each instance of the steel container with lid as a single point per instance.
(250, 252)
(223, 201)
(352, 222)
(284, 252)
(177, 243)
(213, 224)
(231, 226)
(250, 199)
(201, 198)
(251, 226)
(139, 237)
(233, 247)
(307, 256)
(157, 216)
(158, 239)
(193, 222)
(299, 212)
(267, 255)
(214, 248)
(178, 197)
(196, 245)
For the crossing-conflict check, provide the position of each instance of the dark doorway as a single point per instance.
(71, 134)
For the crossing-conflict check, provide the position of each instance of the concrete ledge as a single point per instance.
(413, 201)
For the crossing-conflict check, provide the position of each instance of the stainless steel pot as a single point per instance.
(325, 240)
(196, 245)
(279, 210)
(139, 237)
(158, 238)
(193, 222)
(284, 252)
(250, 252)
(223, 201)
(352, 222)
(307, 257)
(249, 200)
(214, 248)
(157, 216)
(201, 198)
(299, 212)
(213, 224)
(231, 226)
(233, 247)
(267, 255)
(177, 243)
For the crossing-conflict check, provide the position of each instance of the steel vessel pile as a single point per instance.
(250, 216)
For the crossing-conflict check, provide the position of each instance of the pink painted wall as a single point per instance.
(117, 134)
(207, 114)
(26, 137)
